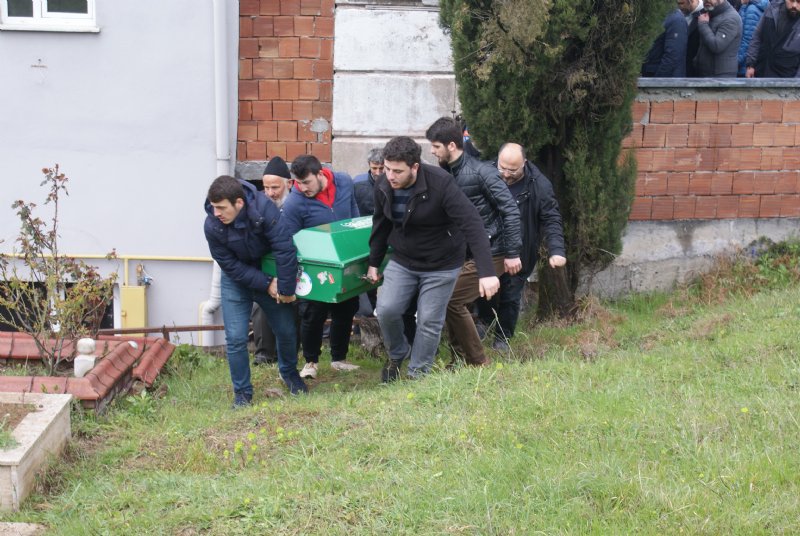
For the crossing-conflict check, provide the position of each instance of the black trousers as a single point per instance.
(312, 321)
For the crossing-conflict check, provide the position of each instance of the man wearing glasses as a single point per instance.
(538, 207)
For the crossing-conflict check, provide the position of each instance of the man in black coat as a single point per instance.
(774, 51)
(428, 221)
(541, 218)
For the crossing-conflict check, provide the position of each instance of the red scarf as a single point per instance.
(327, 194)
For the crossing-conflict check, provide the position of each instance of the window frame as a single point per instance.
(44, 20)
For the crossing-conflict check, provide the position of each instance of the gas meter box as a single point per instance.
(332, 260)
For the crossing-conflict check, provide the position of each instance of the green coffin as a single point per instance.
(332, 260)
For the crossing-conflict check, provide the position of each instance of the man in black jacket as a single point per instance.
(774, 51)
(428, 221)
(538, 207)
(483, 186)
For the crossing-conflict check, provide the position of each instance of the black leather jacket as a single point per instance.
(486, 190)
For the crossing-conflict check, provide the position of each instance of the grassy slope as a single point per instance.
(650, 419)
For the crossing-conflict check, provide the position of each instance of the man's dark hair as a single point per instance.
(225, 187)
(304, 165)
(402, 149)
(445, 130)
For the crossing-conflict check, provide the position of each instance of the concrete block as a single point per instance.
(350, 153)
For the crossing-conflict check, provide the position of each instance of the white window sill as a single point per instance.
(52, 27)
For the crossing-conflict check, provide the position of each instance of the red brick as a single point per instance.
(786, 182)
(663, 160)
(634, 138)
(248, 48)
(790, 206)
(742, 135)
(303, 26)
(700, 183)
(241, 150)
(644, 159)
(288, 89)
(749, 206)
(684, 111)
(264, 27)
(791, 158)
(326, 91)
(245, 69)
(326, 49)
(263, 68)
(749, 111)
(749, 159)
(268, 47)
(282, 68)
(655, 184)
(791, 112)
(309, 47)
(304, 132)
(706, 159)
(302, 110)
(699, 135)
(706, 207)
(270, 7)
(771, 111)
(322, 109)
(661, 112)
(284, 26)
(654, 135)
(245, 110)
(721, 183)
(277, 148)
(640, 111)
(282, 110)
(308, 89)
(245, 27)
(641, 208)
(678, 183)
(321, 151)
(262, 110)
(327, 8)
(707, 111)
(771, 158)
(323, 27)
(683, 207)
(743, 182)
(268, 131)
(720, 135)
(287, 131)
(248, 131)
(323, 69)
(662, 208)
(256, 150)
(295, 149)
(764, 135)
(784, 135)
(770, 206)
(682, 160)
(677, 135)
(304, 69)
(730, 111)
(289, 47)
(311, 7)
(764, 183)
(248, 90)
(268, 89)
(290, 7)
(727, 206)
(248, 7)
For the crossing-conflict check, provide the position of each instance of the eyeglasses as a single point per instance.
(509, 171)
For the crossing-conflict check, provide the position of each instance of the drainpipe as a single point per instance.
(208, 308)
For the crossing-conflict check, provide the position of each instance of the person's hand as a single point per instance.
(273, 288)
(512, 266)
(750, 72)
(488, 286)
(557, 260)
(372, 275)
(285, 299)
(703, 18)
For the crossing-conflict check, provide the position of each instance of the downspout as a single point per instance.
(223, 150)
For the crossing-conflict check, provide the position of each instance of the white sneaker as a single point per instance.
(343, 366)
(309, 371)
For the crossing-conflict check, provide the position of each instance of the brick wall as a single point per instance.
(285, 78)
(710, 158)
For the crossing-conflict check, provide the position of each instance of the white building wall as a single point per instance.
(129, 114)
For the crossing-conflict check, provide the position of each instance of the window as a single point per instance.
(48, 15)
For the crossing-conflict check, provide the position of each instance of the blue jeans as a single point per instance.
(433, 290)
(237, 304)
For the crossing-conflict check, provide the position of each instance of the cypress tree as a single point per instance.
(559, 77)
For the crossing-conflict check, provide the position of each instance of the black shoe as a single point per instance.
(264, 359)
(295, 384)
(241, 400)
(391, 371)
(501, 345)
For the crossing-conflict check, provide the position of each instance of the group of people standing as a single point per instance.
(466, 230)
(723, 38)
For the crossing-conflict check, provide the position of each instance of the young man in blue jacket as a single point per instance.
(241, 226)
(321, 196)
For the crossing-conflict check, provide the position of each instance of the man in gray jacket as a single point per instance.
(720, 31)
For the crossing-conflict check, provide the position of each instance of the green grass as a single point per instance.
(656, 415)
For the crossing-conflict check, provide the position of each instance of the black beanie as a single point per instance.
(277, 166)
